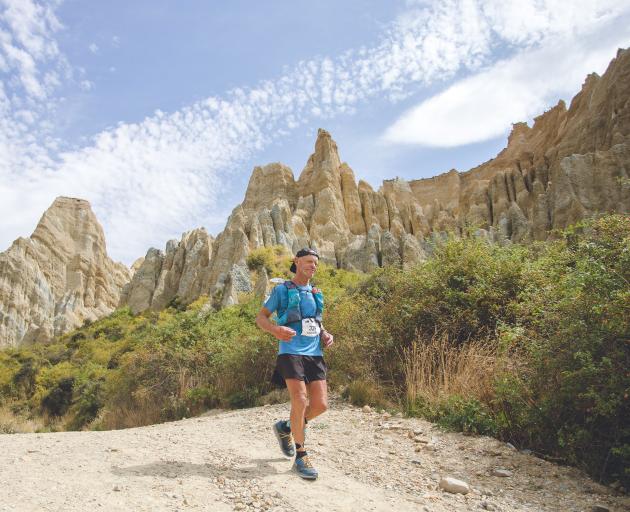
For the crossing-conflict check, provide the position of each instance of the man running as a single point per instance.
(300, 361)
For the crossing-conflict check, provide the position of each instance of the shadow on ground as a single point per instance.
(245, 470)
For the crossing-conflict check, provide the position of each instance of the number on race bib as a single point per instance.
(310, 327)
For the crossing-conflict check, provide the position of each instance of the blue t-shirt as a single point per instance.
(300, 345)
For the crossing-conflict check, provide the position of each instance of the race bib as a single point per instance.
(310, 327)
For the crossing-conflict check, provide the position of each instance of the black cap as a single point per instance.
(303, 252)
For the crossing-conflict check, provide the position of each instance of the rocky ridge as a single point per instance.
(572, 163)
(59, 277)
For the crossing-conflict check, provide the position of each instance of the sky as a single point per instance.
(157, 111)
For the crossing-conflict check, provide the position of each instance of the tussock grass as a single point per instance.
(437, 368)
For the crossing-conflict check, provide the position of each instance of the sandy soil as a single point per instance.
(224, 461)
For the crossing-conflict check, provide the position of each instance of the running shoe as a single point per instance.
(304, 468)
(284, 438)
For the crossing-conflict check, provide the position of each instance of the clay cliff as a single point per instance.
(59, 277)
(572, 163)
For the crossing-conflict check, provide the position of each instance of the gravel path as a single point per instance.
(231, 461)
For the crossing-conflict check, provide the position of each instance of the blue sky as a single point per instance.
(156, 112)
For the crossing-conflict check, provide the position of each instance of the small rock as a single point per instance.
(367, 408)
(510, 446)
(599, 508)
(454, 486)
(116, 488)
(386, 415)
(399, 414)
(487, 506)
(416, 461)
(501, 472)
(418, 439)
(417, 431)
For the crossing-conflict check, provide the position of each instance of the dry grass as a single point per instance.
(435, 369)
(11, 423)
(127, 417)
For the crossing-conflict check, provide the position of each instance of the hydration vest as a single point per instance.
(293, 313)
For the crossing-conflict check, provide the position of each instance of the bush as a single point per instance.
(25, 377)
(575, 317)
(274, 260)
(364, 392)
(458, 413)
(57, 401)
(554, 318)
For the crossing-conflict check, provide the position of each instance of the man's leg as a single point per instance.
(302, 464)
(317, 399)
(297, 393)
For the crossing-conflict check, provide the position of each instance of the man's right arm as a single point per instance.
(279, 331)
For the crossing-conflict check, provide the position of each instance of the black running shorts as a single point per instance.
(305, 368)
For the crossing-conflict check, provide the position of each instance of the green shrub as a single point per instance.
(86, 407)
(575, 314)
(25, 378)
(275, 260)
(467, 415)
(364, 392)
(58, 399)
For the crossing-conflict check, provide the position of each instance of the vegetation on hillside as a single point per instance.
(527, 343)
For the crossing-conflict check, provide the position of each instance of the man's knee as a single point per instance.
(319, 406)
(299, 400)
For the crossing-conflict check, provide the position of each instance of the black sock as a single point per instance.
(286, 426)
(298, 452)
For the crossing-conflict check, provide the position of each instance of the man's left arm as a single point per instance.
(327, 338)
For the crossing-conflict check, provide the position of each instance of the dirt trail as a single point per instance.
(231, 461)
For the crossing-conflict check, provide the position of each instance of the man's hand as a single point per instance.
(284, 333)
(327, 339)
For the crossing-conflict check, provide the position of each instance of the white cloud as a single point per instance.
(26, 41)
(151, 180)
(86, 85)
(93, 47)
(484, 106)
